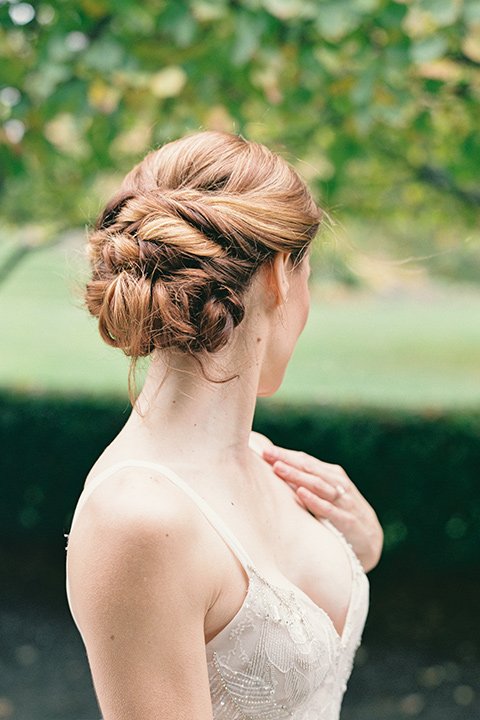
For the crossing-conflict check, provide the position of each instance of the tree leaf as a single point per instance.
(168, 82)
(248, 33)
(428, 49)
(336, 19)
(444, 12)
(471, 12)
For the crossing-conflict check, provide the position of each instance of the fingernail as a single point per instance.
(303, 491)
(269, 454)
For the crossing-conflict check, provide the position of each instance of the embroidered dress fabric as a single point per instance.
(280, 656)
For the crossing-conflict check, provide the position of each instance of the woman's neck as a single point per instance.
(193, 421)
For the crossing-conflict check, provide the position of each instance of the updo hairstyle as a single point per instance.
(173, 253)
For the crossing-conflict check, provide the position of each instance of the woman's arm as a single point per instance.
(327, 492)
(140, 589)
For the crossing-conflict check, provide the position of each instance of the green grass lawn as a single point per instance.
(362, 349)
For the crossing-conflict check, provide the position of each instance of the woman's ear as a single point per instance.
(276, 278)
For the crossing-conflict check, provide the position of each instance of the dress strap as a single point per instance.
(213, 518)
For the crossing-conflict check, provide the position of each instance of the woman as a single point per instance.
(204, 574)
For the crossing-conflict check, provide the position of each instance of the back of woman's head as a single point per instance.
(174, 252)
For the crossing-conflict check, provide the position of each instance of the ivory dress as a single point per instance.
(280, 656)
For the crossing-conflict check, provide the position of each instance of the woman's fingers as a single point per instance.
(334, 475)
(300, 460)
(306, 463)
(313, 483)
(327, 492)
(322, 508)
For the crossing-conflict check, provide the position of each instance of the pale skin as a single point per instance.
(327, 492)
(150, 579)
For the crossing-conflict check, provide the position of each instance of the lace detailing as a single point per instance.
(281, 657)
(271, 658)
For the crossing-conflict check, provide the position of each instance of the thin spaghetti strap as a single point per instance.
(213, 518)
(93, 486)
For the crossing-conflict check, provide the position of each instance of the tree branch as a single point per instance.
(20, 252)
(444, 181)
(437, 177)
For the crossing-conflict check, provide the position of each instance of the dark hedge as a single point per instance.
(420, 471)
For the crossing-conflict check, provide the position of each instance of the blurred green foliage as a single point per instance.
(377, 99)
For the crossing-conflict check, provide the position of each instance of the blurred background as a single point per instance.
(377, 104)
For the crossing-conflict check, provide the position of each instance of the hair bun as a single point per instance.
(174, 251)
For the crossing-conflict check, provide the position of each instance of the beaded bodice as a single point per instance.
(280, 656)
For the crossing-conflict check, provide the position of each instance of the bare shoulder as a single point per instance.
(137, 548)
(135, 506)
(135, 529)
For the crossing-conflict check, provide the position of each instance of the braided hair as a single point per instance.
(174, 252)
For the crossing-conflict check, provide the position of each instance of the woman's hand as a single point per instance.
(327, 492)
